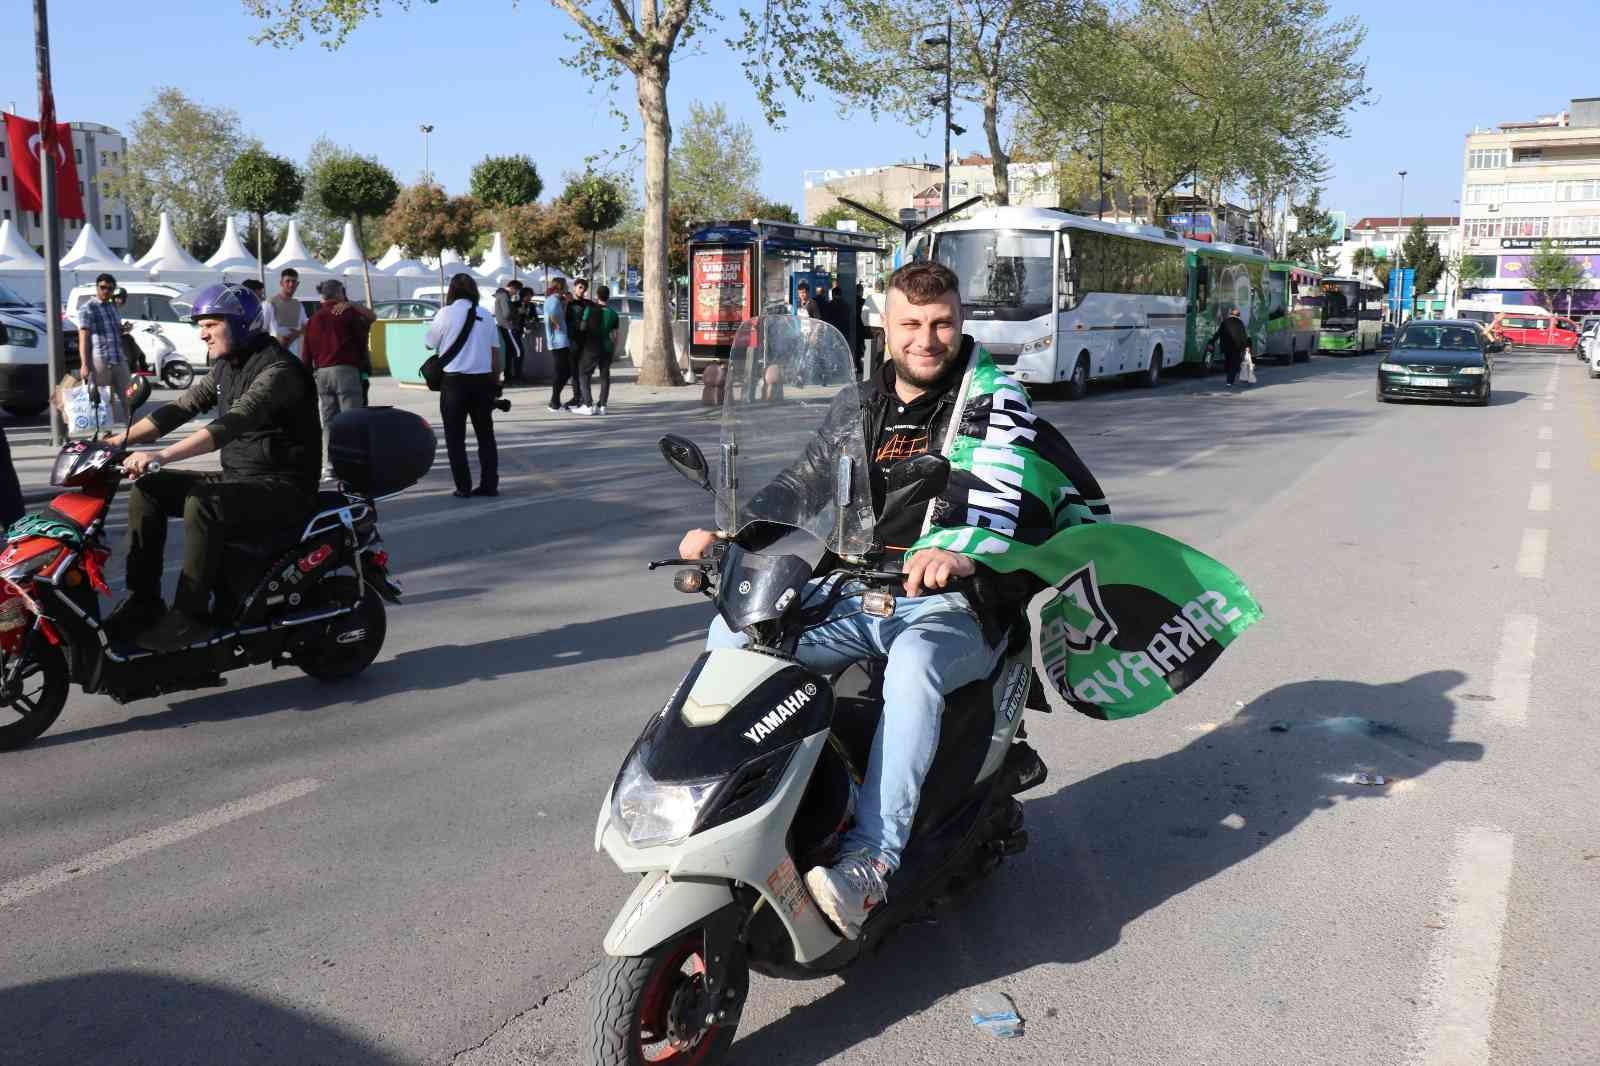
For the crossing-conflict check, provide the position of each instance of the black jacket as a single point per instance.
(269, 426)
(997, 598)
(1232, 335)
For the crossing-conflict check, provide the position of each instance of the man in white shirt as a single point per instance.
(289, 315)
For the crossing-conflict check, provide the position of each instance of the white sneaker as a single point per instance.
(580, 409)
(847, 891)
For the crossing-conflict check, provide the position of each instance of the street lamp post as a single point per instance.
(427, 159)
(1399, 249)
(1100, 166)
(948, 40)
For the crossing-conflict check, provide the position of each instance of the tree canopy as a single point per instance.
(263, 184)
(1315, 239)
(1420, 253)
(714, 168)
(1553, 273)
(506, 181)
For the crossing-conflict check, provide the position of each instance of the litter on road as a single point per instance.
(996, 1014)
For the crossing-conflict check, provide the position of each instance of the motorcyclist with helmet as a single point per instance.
(270, 436)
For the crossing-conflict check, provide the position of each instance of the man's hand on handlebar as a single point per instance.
(696, 544)
(933, 568)
(138, 464)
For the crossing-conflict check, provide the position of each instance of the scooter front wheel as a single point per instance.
(652, 1009)
(36, 696)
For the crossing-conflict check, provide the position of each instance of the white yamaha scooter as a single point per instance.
(746, 777)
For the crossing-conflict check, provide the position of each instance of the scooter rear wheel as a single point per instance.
(644, 1009)
(40, 694)
(331, 661)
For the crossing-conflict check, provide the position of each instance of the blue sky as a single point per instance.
(488, 75)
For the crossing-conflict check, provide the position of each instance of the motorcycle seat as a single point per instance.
(277, 541)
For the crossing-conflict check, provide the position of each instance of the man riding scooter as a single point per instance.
(950, 628)
(270, 436)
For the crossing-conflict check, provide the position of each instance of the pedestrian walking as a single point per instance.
(1234, 339)
(600, 346)
(335, 345)
(471, 381)
(289, 316)
(508, 317)
(532, 331)
(556, 342)
(580, 322)
(100, 350)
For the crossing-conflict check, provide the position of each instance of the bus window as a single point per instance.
(1202, 284)
(1277, 295)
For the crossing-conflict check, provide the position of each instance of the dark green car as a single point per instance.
(1443, 359)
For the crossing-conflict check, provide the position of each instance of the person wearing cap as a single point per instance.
(271, 443)
(336, 353)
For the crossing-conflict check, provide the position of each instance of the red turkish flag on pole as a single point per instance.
(29, 142)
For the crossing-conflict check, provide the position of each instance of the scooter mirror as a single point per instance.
(684, 456)
(913, 481)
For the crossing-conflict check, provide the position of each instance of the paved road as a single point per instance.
(398, 871)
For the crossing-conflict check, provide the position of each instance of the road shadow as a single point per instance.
(1109, 848)
(431, 669)
(119, 1018)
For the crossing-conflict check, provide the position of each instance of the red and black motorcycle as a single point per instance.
(310, 596)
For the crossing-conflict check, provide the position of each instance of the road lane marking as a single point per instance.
(1539, 496)
(1541, 461)
(1547, 433)
(1353, 395)
(1547, 406)
(1195, 458)
(1458, 1012)
(1530, 555)
(59, 874)
(1513, 669)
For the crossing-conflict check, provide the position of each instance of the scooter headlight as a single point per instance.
(650, 813)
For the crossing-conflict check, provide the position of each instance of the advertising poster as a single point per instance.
(721, 281)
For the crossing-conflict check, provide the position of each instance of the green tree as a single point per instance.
(424, 221)
(358, 189)
(1363, 260)
(545, 234)
(613, 38)
(875, 55)
(263, 184)
(320, 227)
(1423, 256)
(178, 152)
(1554, 273)
(1467, 270)
(506, 181)
(1382, 271)
(771, 211)
(595, 202)
(1315, 239)
(714, 168)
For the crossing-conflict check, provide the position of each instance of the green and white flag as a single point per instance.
(1137, 616)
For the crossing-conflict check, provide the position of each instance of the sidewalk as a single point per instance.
(33, 456)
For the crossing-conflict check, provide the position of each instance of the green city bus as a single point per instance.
(1294, 311)
(1223, 276)
(1352, 316)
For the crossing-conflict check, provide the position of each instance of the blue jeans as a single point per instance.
(931, 645)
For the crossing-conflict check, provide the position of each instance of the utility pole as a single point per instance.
(1399, 251)
(1100, 165)
(427, 159)
(52, 226)
(948, 40)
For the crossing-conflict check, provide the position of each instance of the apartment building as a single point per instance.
(1527, 182)
(919, 186)
(98, 152)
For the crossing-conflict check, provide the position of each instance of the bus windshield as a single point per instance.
(1005, 273)
(1340, 303)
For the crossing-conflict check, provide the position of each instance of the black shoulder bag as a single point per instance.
(433, 366)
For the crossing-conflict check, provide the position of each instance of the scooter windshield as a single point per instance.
(793, 447)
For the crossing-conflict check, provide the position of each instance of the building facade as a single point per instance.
(918, 186)
(98, 153)
(1527, 182)
(1383, 235)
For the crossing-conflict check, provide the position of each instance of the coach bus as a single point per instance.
(1352, 313)
(1060, 299)
(1222, 277)
(1294, 311)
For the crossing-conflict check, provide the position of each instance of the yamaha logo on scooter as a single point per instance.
(780, 714)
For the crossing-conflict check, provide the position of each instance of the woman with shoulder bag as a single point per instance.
(469, 356)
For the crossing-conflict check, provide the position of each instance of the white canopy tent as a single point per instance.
(166, 255)
(296, 254)
(497, 266)
(90, 253)
(233, 257)
(348, 259)
(16, 254)
(389, 258)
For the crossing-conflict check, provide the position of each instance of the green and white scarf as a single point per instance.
(1135, 616)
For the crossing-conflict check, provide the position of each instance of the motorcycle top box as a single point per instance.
(380, 450)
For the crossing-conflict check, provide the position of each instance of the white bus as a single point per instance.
(1059, 298)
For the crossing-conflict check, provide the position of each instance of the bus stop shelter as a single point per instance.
(743, 268)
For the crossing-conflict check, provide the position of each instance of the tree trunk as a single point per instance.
(659, 364)
(361, 247)
(997, 152)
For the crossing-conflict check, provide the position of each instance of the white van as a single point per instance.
(157, 308)
(24, 357)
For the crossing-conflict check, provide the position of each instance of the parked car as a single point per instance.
(1589, 348)
(155, 307)
(1521, 330)
(1442, 359)
(24, 359)
(1386, 337)
(392, 309)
